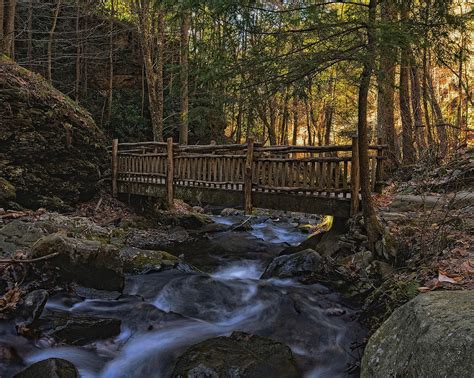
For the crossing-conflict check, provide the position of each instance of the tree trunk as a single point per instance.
(2, 15)
(405, 110)
(184, 54)
(111, 62)
(417, 109)
(295, 120)
(9, 29)
(328, 116)
(50, 42)
(386, 91)
(373, 227)
(29, 47)
(159, 72)
(426, 101)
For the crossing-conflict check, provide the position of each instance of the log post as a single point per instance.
(170, 174)
(379, 173)
(248, 177)
(355, 178)
(114, 167)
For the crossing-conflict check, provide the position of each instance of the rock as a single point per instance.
(189, 221)
(32, 306)
(228, 212)
(78, 329)
(157, 239)
(240, 355)
(51, 368)
(87, 262)
(8, 355)
(430, 336)
(19, 234)
(51, 151)
(141, 261)
(304, 263)
(360, 260)
(380, 269)
(198, 209)
(7, 192)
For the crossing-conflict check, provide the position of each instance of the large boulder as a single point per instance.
(87, 262)
(430, 336)
(51, 151)
(240, 355)
(51, 368)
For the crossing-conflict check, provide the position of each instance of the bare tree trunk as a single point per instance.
(417, 109)
(9, 29)
(159, 68)
(386, 91)
(2, 15)
(426, 101)
(405, 110)
(443, 140)
(328, 115)
(110, 92)
(29, 47)
(145, 26)
(184, 130)
(373, 227)
(50, 42)
(295, 120)
(308, 122)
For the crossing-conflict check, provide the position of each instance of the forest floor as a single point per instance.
(430, 214)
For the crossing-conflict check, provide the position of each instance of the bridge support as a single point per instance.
(114, 167)
(170, 174)
(248, 178)
(355, 178)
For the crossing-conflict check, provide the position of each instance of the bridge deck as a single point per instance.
(321, 180)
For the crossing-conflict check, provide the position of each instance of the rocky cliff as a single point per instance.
(51, 151)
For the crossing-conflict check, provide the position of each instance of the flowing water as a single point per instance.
(164, 313)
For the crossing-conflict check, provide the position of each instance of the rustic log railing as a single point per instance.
(322, 179)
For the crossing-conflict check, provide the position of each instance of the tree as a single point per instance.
(184, 59)
(409, 155)
(9, 28)
(386, 84)
(51, 40)
(372, 225)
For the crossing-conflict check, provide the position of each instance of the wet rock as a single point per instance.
(32, 306)
(240, 355)
(51, 368)
(141, 261)
(8, 355)
(229, 212)
(78, 329)
(305, 263)
(430, 336)
(51, 151)
(86, 262)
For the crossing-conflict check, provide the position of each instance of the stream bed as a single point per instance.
(164, 313)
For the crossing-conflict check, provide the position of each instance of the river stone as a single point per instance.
(304, 263)
(32, 306)
(51, 368)
(141, 261)
(240, 355)
(430, 336)
(89, 263)
(78, 329)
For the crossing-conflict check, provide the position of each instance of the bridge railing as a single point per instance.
(319, 171)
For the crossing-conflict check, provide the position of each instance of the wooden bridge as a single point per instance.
(310, 179)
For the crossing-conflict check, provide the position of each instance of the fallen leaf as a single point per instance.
(443, 277)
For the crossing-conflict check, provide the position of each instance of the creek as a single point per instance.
(164, 313)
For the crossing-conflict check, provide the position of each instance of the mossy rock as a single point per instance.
(51, 151)
(140, 261)
(7, 191)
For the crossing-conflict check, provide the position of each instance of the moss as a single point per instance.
(380, 304)
(149, 260)
(7, 191)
